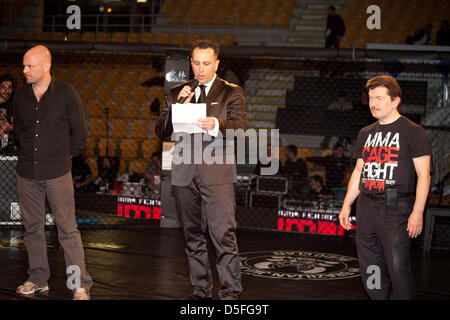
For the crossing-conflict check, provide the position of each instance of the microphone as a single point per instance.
(193, 85)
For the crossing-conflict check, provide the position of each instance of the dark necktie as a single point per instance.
(202, 98)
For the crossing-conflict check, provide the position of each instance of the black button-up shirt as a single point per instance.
(48, 132)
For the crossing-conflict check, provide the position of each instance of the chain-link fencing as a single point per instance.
(317, 105)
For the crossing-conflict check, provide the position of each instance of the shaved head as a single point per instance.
(41, 53)
(36, 64)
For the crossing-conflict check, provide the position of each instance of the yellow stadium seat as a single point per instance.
(119, 128)
(121, 93)
(157, 92)
(267, 19)
(74, 36)
(97, 127)
(18, 36)
(138, 166)
(228, 39)
(59, 36)
(115, 109)
(112, 147)
(88, 37)
(214, 37)
(149, 38)
(177, 19)
(44, 36)
(283, 19)
(103, 37)
(104, 92)
(118, 37)
(134, 37)
(129, 148)
(94, 109)
(139, 94)
(169, 7)
(89, 149)
(149, 146)
(139, 129)
(131, 110)
(252, 19)
(196, 36)
(165, 38)
(206, 20)
(180, 39)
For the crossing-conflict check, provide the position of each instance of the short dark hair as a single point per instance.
(292, 148)
(206, 44)
(10, 78)
(332, 8)
(318, 179)
(388, 82)
(338, 145)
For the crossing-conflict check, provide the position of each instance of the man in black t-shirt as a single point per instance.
(390, 152)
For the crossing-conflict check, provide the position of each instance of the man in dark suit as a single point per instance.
(205, 192)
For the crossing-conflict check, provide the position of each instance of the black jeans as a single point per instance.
(382, 241)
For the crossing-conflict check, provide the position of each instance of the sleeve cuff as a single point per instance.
(215, 131)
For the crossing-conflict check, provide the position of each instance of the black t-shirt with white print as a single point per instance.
(388, 152)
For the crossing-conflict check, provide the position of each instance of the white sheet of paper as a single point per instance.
(184, 117)
(167, 156)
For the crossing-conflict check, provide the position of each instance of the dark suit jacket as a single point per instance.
(225, 101)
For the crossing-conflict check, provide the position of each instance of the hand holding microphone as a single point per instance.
(186, 94)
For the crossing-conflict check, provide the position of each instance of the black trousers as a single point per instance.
(332, 41)
(210, 208)
(382, 241)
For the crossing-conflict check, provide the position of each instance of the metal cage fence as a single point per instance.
(314, 103)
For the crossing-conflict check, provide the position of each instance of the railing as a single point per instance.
(138, 23)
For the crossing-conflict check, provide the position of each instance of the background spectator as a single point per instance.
(7, 87)
(81, 173)
(153, 172)
(335, 29)
(421, 36)
(443, 35)
(318, 190)
(295, 168)
(336, 166)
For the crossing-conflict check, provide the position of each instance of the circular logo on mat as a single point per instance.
(299, 265)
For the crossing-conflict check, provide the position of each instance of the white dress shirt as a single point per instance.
(215, 131)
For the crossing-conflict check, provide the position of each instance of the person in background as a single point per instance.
(443, 35)
(318, 190)
(336, 166)
(295, 169)
(153, 171)
(7, 87)
(81, 173)
(421, 36)
(260, 165)
(334, 30)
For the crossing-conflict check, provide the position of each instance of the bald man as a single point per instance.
(50, 129)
